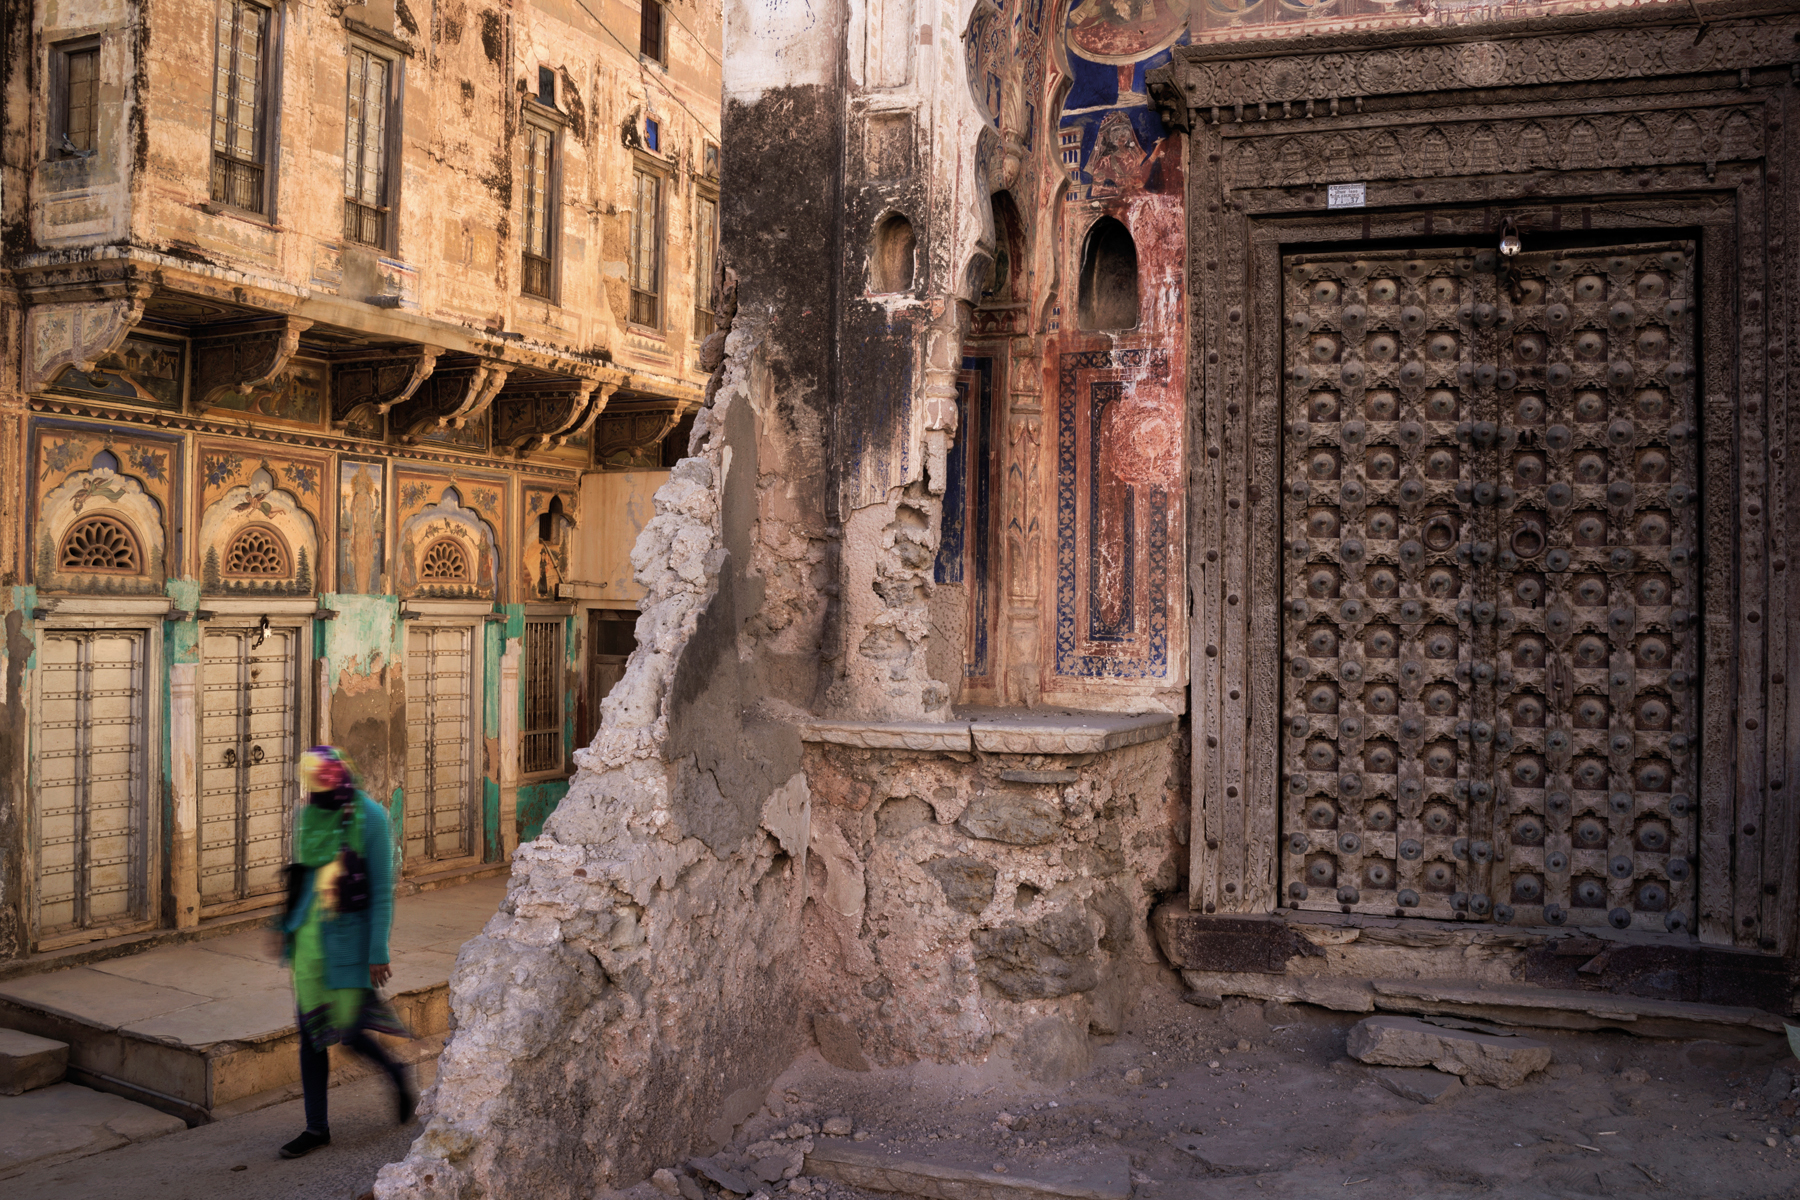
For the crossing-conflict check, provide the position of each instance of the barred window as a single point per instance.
(239, 85)
(706, 250)
(646, 248)
(75, 99)
(365, 148)
(540, 209)
(541, 737)
(650, 30)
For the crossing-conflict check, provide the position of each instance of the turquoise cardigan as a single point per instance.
(355, 941)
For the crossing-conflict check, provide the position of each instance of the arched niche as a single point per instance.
(893, 254)
(448, 552)
(1005, 278)
(99, 531)
(1109, 278)
(257, 539)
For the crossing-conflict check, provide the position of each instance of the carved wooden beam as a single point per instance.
(449, 391)
(245, 357)
(533, 420)
(379, 380)
(76, 334)
(631, 440)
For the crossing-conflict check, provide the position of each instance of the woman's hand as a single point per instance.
(379, 974)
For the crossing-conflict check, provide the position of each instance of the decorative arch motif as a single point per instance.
(101, 544)
(257, 552)
(448, 549)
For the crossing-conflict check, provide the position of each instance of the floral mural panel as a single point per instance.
(262, 525)
(446, 543)
(102, 506)
(362, 527)
(546, 533)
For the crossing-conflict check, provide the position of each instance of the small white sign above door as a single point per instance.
(1346, 195)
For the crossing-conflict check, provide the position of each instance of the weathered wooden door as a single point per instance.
(92, 800)
(439, 822)
(249, 732)
(1490, 532)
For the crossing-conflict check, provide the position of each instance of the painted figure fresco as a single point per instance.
(144, 370)
(297, 394)
(1123, 31)
(362, 533)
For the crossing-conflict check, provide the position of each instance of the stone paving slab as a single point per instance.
(882, 1168)
(28, 1061)
(64, 1121)
(248, 1017)
(97, 997)
(199, 966)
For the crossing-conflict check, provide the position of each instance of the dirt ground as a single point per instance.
(1259, 1100)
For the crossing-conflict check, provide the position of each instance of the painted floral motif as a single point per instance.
(305, 479)
(221, 468)
(61, 456)
(486, 501)
(414, 494)
(147, 463)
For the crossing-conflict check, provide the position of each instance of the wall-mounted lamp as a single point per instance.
(1509, 240)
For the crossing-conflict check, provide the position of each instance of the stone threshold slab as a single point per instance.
(1001, 731)
(1625, 1011)
(881, 1168)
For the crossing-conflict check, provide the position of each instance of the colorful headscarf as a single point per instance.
(326, 769)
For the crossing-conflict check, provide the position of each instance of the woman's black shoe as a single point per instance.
(305, 1144)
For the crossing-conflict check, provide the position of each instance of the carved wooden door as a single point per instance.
(91, 799)
(440, 712)
(1490, 532)
(249, 729)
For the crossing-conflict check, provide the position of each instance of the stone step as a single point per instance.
(63, 1122)
(28, 1061)
(878, 1166)
(203, 1029)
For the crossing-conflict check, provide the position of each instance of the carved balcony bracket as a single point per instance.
(74, 334)
(631, 439)
(244, 357)
(448, 397)
(545, 415)
(377, 381)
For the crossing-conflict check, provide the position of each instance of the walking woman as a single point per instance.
(340, 905)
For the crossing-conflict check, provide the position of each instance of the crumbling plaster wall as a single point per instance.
(955, 914)
(654, 926)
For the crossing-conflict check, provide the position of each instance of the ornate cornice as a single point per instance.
(1302, 81)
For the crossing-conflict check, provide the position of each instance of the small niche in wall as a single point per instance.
(891, 255)
(1109, 277)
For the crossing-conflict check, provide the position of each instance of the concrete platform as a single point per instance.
(203, 1027)
(63, 1121)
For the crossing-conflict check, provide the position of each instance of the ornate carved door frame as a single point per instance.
(1570, 129)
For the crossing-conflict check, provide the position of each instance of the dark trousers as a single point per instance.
(315, 1074)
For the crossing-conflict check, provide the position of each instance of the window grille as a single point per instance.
(706, 248)
(103, 544)
(259, 552)
(81, 98)
(541, 737)
(535, 273)
(444, 561)
(238, 118)
(365, 149)
(646, 248)
(650, 30)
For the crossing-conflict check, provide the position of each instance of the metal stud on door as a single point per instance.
(1487, 485)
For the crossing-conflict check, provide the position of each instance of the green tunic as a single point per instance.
(332, 951)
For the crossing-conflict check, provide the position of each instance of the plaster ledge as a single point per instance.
(1001, 731)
